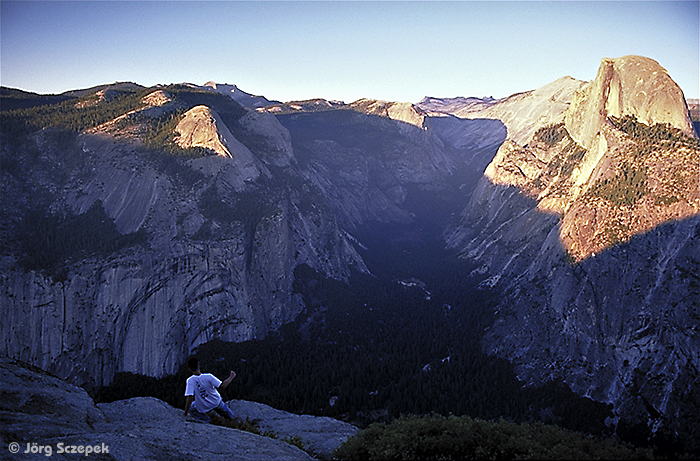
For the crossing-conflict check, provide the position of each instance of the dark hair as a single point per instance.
(193, 363)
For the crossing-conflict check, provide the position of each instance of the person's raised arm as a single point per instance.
(188, 402)
(225, 384)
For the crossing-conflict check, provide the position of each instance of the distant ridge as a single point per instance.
(246, 100)
(432, 105)
(116, 86)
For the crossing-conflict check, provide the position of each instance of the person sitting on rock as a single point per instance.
(203, 389)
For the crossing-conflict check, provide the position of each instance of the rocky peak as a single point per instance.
(156, 98)
(308, 105)
(247, 100)
(640, 168)
(631, 85)
(616, 156)
(440, 106)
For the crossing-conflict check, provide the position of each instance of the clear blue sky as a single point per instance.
(389, 50)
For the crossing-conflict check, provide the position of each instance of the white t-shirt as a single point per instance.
(203, 388)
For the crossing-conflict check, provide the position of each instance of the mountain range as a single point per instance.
(139, 223)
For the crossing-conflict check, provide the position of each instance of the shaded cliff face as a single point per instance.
(204, 211)
(590, 227)
(215, 258)
(364, 164)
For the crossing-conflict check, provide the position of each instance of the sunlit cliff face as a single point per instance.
(619, 161)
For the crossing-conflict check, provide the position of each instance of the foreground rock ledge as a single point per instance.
(36, 407)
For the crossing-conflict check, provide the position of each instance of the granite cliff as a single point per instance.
(219, 240)
(181, 217)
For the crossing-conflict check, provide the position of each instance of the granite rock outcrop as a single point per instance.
(38, 409)
(400, 111)
(319, 435)
(243, 98)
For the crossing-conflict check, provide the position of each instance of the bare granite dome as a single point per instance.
(524, 113)
(631, 85)
(156, 98)
(202, 127)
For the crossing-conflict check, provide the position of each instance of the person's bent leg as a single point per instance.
(199, 416)
(224, 410)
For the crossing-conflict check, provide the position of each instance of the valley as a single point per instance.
(533, 258)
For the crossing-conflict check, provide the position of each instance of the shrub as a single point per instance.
(296, 441)
(457, 438)
(651, 134)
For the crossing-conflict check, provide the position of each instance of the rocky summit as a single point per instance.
(140, 223)
(609, 176)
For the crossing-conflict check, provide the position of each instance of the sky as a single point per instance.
(391, 50)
